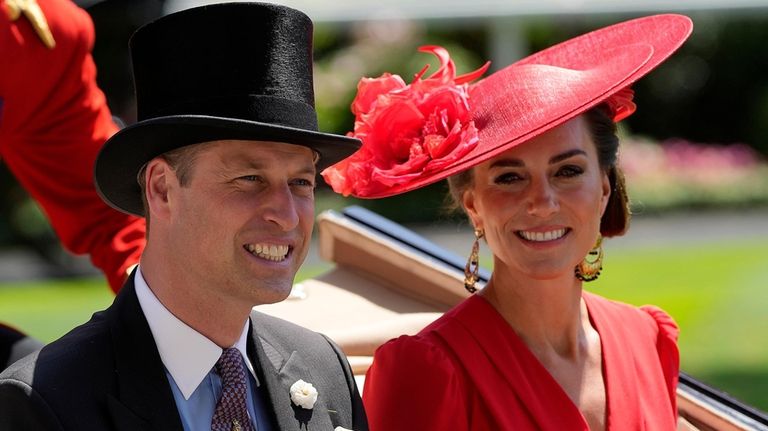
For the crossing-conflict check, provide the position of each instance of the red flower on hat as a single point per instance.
(407, 130)
(621, 104)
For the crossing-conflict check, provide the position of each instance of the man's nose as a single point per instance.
(280, 207)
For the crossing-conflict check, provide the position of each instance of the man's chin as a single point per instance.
(272, 293)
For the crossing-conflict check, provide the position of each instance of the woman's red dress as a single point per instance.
(470, 371)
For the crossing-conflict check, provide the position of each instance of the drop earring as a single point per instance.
(473, 264)
(589, 268)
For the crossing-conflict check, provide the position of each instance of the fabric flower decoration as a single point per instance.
(621, 104)
(407, 130)
(303, 394)
(341, 429)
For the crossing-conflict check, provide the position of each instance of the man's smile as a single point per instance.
(273, 252)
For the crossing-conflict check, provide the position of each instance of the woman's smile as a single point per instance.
(542, 236)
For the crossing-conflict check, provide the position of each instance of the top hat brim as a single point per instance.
(123, 155)
(551, 87)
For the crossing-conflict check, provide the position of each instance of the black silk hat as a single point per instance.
(223, 71)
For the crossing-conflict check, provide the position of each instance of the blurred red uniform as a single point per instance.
(53, 121)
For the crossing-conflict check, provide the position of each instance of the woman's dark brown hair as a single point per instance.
(615, 220)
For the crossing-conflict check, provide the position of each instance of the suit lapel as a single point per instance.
(281, 369)
(143, 399)
(123, 418)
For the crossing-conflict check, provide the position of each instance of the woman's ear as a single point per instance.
(606, 187)
(469, 203)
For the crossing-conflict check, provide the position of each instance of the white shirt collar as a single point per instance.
(187, 354)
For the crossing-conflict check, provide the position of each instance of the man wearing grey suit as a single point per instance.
(222, 164)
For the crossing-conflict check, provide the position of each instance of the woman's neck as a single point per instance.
(549, 315)
(551, 318)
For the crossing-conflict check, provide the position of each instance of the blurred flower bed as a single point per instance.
(678, 174)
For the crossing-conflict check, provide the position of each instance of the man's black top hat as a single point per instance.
(223, 71)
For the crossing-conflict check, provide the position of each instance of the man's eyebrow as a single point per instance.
(308, 170)
(566, 155)
(257, 165)
(240, 162)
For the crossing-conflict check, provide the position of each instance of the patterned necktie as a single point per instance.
(231, 413)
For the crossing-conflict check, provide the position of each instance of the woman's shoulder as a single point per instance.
(664, 322)
(425, 356)
(649, 317)
(645, 331)
(424, 348)
(412, 381)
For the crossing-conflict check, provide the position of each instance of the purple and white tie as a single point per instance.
(231, 413)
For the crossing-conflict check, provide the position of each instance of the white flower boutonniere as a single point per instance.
(341, 429)
(303, 394)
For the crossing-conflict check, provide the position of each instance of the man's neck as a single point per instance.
(218, 318)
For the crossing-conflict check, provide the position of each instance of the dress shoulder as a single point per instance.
(666, 347)
(668, 329)
(412, 383)
(413, 352)
(651, 319)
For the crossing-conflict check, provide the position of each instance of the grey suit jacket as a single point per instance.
(107, 375)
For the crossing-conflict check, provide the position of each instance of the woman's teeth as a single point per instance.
(542, 236)
(268, 251)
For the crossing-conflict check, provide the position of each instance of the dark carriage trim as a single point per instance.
(409, 239)
(722, 403)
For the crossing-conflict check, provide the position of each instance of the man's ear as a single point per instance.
(160, 179)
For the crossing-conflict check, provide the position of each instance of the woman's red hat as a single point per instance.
(509, 107)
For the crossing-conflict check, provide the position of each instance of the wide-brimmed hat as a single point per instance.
(510, 107)
(223, 71)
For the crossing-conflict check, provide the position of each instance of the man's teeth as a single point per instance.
(269, 251)
(543, 236)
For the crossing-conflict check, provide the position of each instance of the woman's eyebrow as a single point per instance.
(507, 163)
(568, 154)
(517, 163)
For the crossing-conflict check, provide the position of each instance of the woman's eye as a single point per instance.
(569, 171)
(249, 178)
(507, 178)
